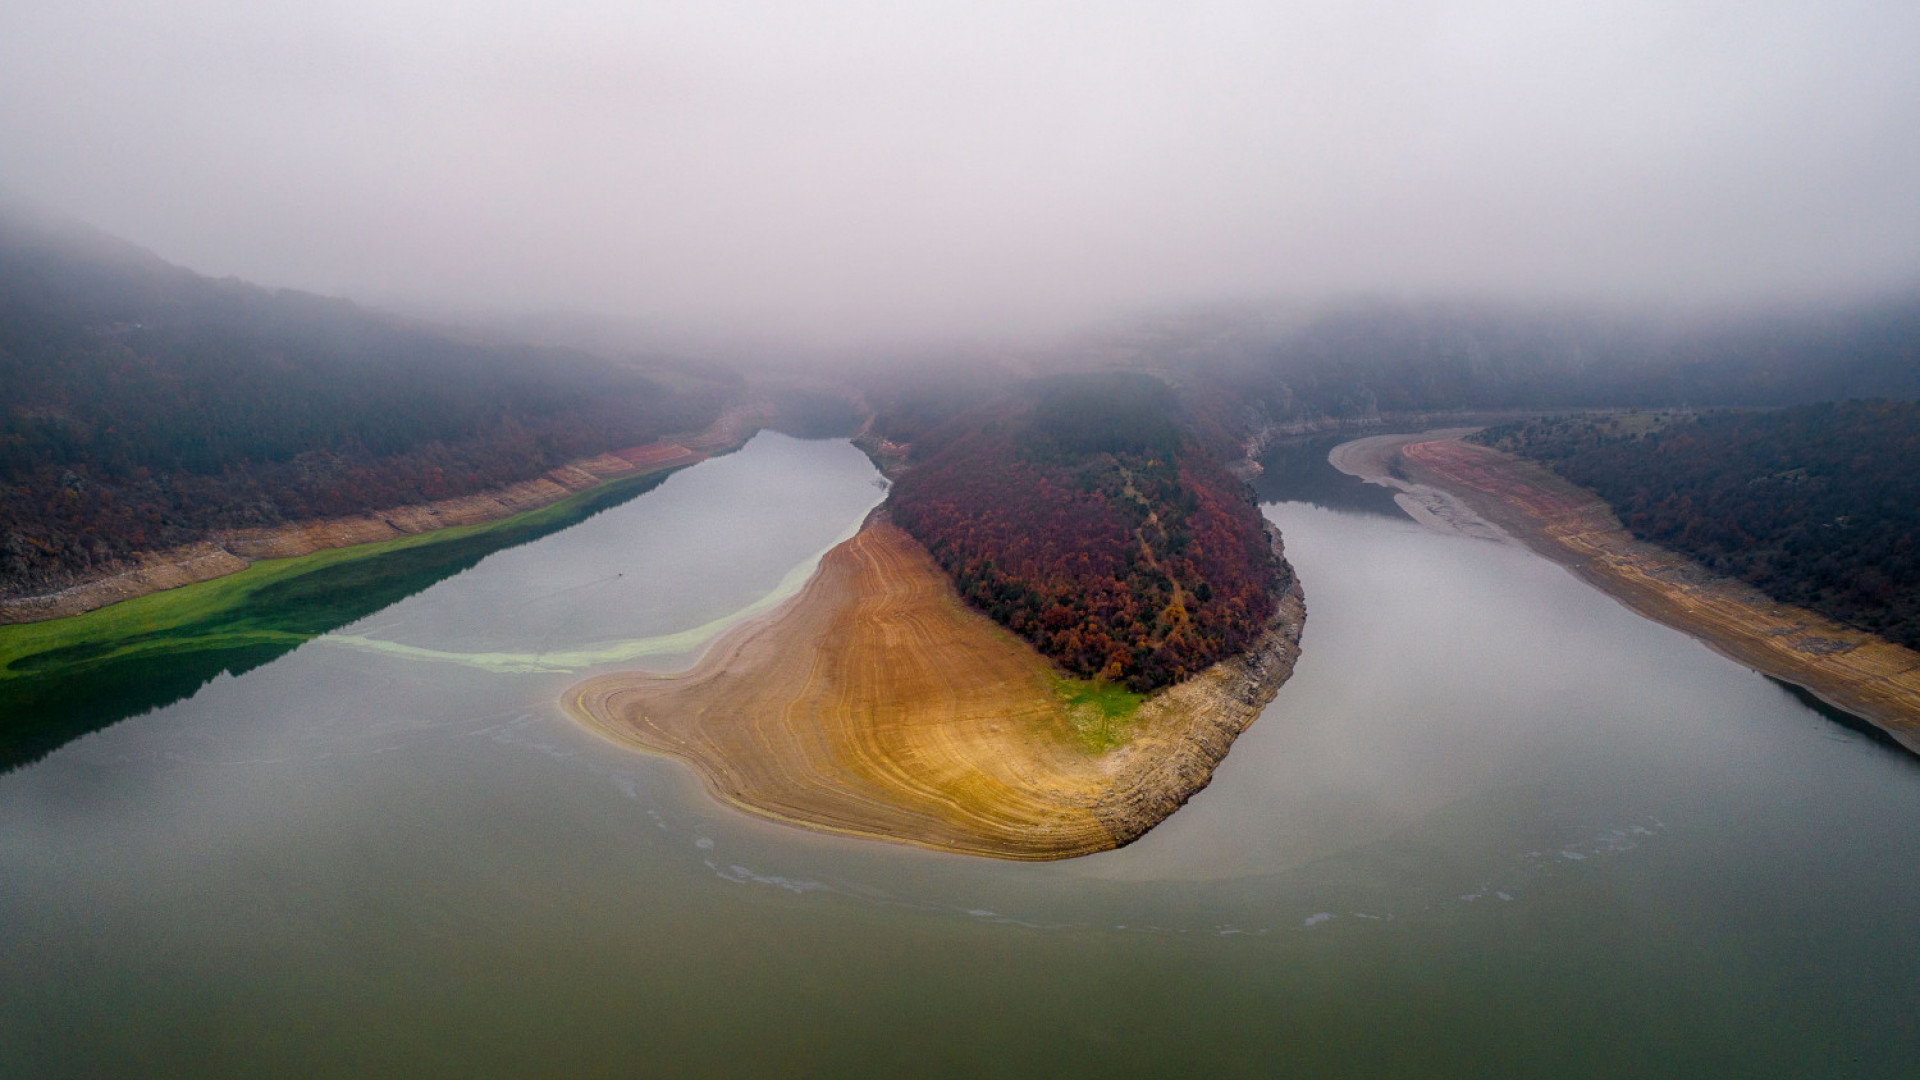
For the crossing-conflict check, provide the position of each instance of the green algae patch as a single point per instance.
(62, 678)
(1101, 712)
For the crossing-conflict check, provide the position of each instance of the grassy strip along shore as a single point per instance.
(64, 677)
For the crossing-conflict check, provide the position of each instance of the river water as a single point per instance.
(1495, 823)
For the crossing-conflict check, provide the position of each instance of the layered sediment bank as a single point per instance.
(1851, 669)
(232, 551)
(877, 704)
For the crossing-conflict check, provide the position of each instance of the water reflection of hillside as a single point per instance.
(51, 698)
(1296, 470)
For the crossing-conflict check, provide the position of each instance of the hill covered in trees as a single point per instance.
(1817, 506)
(1365, 361)
(144, 406)
(1084, 514)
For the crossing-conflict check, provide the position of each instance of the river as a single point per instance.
(1495, 823)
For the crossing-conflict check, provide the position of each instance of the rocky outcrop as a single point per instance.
(1184, 733)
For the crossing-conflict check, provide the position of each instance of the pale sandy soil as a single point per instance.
(1374, 458)
(877, 704)
(1523, 502)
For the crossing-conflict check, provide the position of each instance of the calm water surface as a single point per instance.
(1495, 823)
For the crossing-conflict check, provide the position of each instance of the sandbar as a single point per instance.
(877, 704)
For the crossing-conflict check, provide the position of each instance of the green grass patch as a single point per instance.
(65, 677)
(1101, 712)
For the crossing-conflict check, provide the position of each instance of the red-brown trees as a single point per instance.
(1086, 520)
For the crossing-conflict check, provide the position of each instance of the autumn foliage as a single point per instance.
(143, 406)
(1085, 517)
(1817, 506)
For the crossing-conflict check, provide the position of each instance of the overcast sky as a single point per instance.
(846, 168)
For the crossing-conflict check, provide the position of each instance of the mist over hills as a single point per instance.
(1368, 359)
(143, 405)
(1088, 515)
(1245, 367)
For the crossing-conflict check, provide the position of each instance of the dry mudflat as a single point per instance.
(1851, 669)
(877, 704)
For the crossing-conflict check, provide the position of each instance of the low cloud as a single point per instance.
(839, 171)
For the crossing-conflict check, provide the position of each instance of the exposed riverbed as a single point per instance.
(1495, 823)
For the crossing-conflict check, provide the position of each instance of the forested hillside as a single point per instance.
(1817, 506)
(1083, 514)
(143, 406)
(1367, 360)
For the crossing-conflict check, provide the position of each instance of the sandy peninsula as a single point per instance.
(1460, 487)
(877, 704)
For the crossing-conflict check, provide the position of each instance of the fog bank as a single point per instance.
(837, 171)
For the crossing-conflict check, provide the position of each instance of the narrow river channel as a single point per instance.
(1496, 823)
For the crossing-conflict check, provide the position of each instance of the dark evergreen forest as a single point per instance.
(1083, 514)
(1817, 506)
(144, 406)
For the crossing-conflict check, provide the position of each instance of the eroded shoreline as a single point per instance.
(877, 704)
(234, 550)
(1515, 499)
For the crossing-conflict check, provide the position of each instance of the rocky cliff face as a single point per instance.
(1183, 734)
